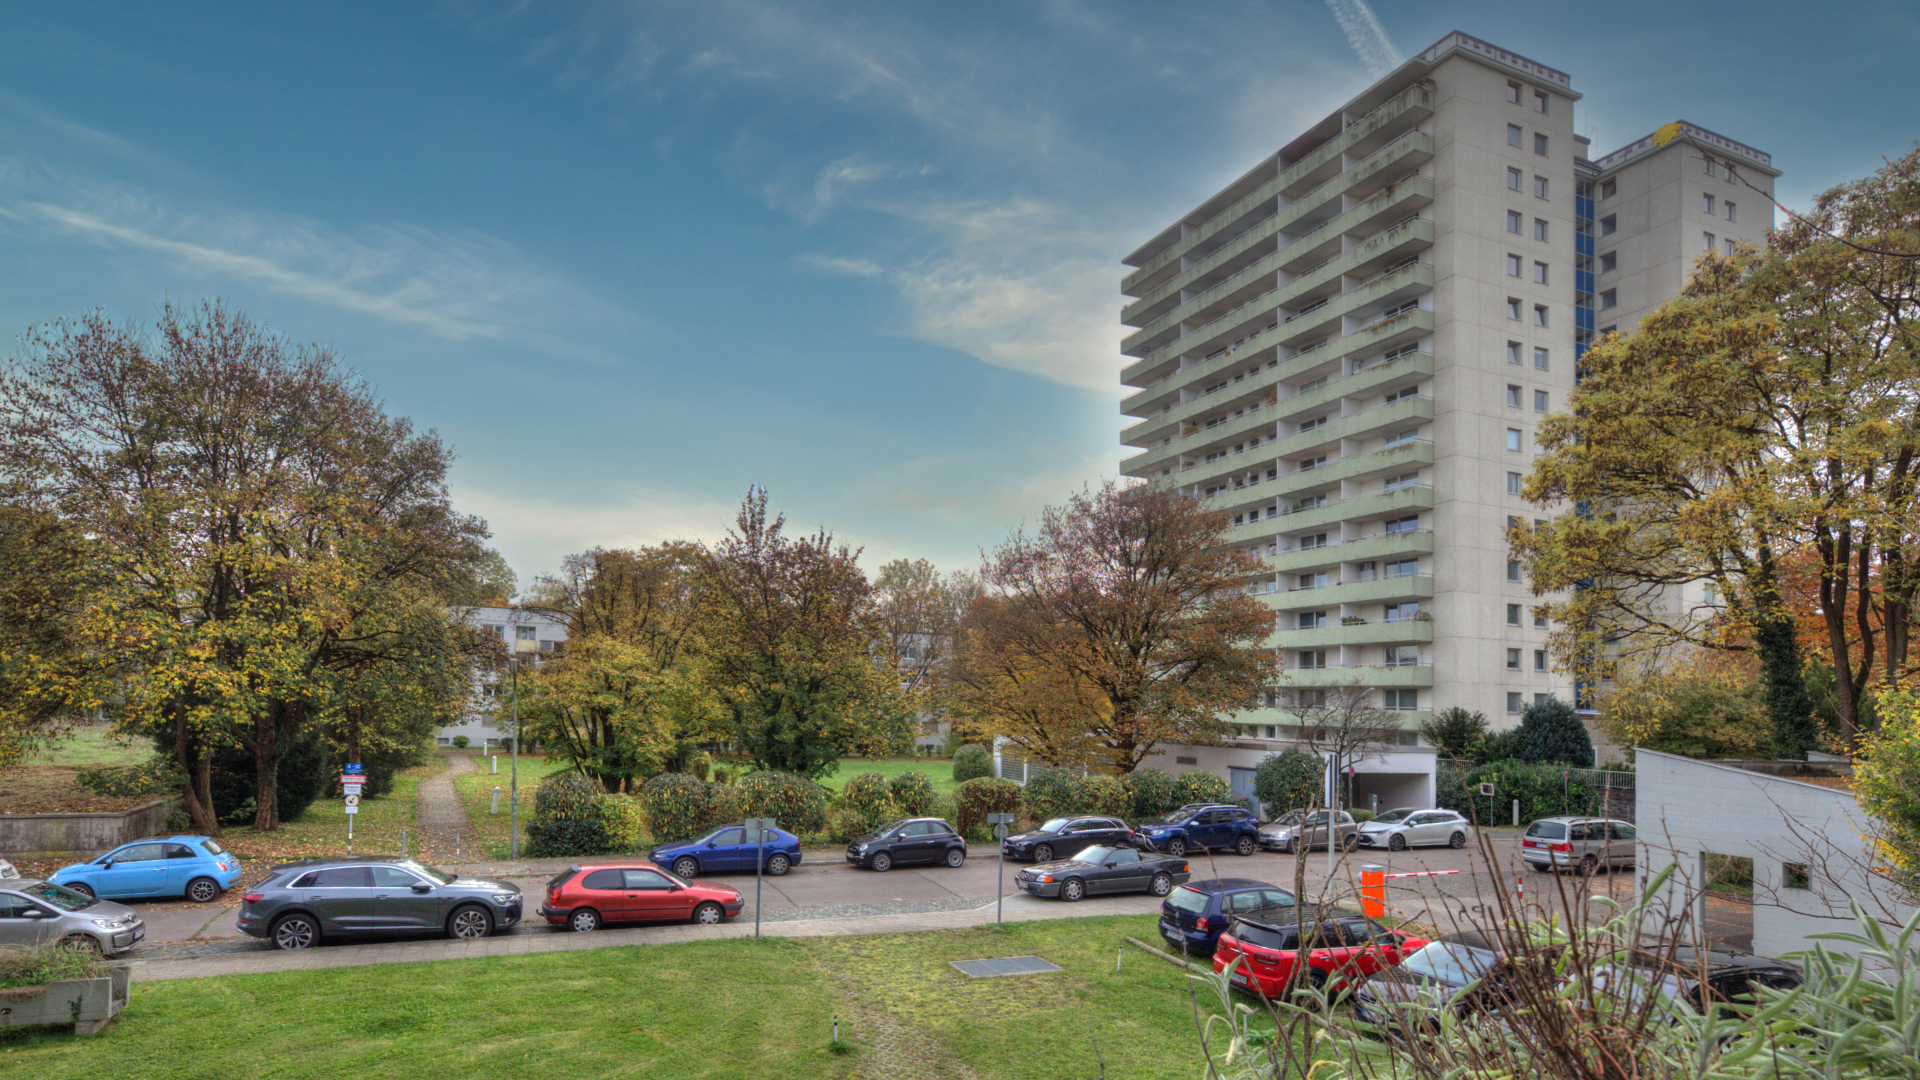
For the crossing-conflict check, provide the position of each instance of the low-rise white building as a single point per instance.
(483, 725)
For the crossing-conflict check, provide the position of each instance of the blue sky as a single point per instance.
(631, 258)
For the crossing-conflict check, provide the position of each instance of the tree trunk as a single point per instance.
(195, 779)
(1794, 730)
(266, 771)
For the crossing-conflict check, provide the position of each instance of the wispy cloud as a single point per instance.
(546, 530)
(1366, 35)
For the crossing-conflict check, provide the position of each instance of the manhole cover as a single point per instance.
(1012, 965)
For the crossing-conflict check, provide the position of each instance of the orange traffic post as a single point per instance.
(1373, 891)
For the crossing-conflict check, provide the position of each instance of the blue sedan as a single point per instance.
(195, 867)
(726, 848)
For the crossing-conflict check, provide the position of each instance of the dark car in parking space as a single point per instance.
(1205, 828)
(301, 903)
(726, 849)
(908, 840)
(1066, 837)
(1193, 916)
(1100, 870)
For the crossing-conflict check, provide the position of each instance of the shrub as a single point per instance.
(42, 964)
(1551, 731)
(983, 795)
(866, 795)
(1500, 746)
(155, 776)
(720, 774)
(460, 742)
(844, 825)
(567, 818)
(1289, 780)
(913, 793)
(700, 765)
(625, 823)
(506, 744)
(1097, 794)
(798, 804)
(678, 806)
(1198, 785)
(1361, 817)
(1049, 793)
(1152, 792)
(944, 808)
(1455, 732)
(971, 762)
(178, 820)
(1543, 791)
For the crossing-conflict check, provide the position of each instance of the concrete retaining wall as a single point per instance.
(80, 836)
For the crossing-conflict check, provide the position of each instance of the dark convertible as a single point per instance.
(1104, 870)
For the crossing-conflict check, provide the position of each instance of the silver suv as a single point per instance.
(301, 902)
(1586, 844)
(41, 913)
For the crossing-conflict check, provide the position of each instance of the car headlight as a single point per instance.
(504, 898)
(107, 924)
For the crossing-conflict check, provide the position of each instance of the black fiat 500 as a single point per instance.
(908, 840)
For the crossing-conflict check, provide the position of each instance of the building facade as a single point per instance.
(1349, 350)
(483, 724)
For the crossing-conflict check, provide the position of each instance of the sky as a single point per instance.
(629, 259)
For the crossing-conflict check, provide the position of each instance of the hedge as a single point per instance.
(971, 762)
(866, 796)
(1048, 794)
(1200, 786)
(1097, 794)
(1543, 791)
(798, 804)
(913, 794)
(1151, 791)
(567, 818)
(983, 795)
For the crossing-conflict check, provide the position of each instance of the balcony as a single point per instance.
(1405, 632)
(1380, 419)
(1374, 548)
(1410, 719)
(1406, 500)
(1416, 677)
(1390, 461)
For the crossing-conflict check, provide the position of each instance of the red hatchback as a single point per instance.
(1263, 952)
(585, 897)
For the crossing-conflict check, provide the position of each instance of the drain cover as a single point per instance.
(1012, 965)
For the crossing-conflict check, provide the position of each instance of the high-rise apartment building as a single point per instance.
(1350, 347)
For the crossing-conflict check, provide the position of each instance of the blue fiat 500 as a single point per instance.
(195, 867)
(726, 849)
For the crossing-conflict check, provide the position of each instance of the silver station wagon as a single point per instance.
(1585, 844)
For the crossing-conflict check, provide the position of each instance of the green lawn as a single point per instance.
(91, 745)
(476, 794)
(322, 830)
(939, 770)
(718, 1009)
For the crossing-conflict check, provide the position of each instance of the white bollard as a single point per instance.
(496, 763)
(1516, 813)
(496, 800)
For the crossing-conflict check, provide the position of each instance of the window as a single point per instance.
(1313, 581)
(1315, 540)
(1513, 659)
(1398, 437)
(1608, 188)
(1540, 144)
(1513, 439)
(1539, 401)
(1609, 262)
(1513, 396)
(1311, 620)
(1395, 483)
(1513, 702)
(1609, 224)
(1540, 621)
(525, 633)
(1401, 656)
(1403, 568)
(1513, 614)
(1707, 241)
(1541, 699)
(1513, 483)
(1513, 134)
(1539, 314)
(1540, 358)
(1709, 163)
(1540, 102)
(1795, 876)
(1318, 421)
(1731, 179)
(1402, 612)
(1539, 228)
(1609, 298)
(1540, 187)
(1403, 525)
(1513, 179)
(1539, 659)
(1513, 352)
(1730, 247)
(1513, 569)
(1397, 700)
(1539, 273)
(1513, 221)
(1312, 659)
(1730, 208)
(1513, 308)
(1513, 92)
(1513, 266)
(1706, 204)
(1312, 462)
(1403, 392)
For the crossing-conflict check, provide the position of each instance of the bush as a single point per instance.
(798, 804)
(867, 796)
(1049, 793)
(155, 776)
(700, 765)
(971, 762)
(567, 818)
(1543, 791)
(679, 806)
(1550, 731)
(1151, 791)
(720, 774)
(1198, 785)
(1455, 732)
(844, 825)
(506, 744)
(625, 822)
(1500, 746)
(1097, 794)
(943, 807)
(1289, 780)
(983, 795)
(913, 793)
(42, 964)
(178, 820)
(460, 742)
(1361, 817)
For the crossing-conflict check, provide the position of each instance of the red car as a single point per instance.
(585, 897)
(1263, 952)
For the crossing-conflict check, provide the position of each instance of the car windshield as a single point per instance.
(1189, 900)
(714, 835)
(63, 898)
(889, 827)
(1455, 965)
(1054, 825)
(1094, 854)
(1548, 830)
(433, 872)
(1392, 816)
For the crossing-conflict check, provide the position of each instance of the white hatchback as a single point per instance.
(1399, 830)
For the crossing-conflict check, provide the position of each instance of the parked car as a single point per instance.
(1301, 828)
(726, 849)
(1202, 827)
(1263, 952)
(195, 867)
(40, 913)
(908, 840)
(1586, 844)
(1193, 916)
(1100, 870)
(7, 870)
(584, 898)
(1421, 828)
(1436, 976)
(300, 903)
(1731, 981)
(1065, 837)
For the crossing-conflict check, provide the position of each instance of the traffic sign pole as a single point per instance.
(1000, 823)
(353, 775)
(758, 828)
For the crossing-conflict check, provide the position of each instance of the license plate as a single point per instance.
(1239, 978)
(1171, 935)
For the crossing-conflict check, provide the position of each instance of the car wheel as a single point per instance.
(469, 923)
(296, 932)
(1043, 853)
(1537, 868)
(882, 862)
(203, 890)
(86, 943)
(1176, 847)
(708, 914)
(1457, 840)
(1351, 841)
(1162, 884)
(1398, 843)
(584, 921)
(685, 867)
(1288, 848)
(1072, 889)
(956, 858)
(1244, 846)
(80, 887)
(779, 865)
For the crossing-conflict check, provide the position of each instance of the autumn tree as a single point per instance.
(804, 669)
(47, 576)
(1121, 623)
(919, 609)
(1340, 722)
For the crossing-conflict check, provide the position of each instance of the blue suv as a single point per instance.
(195, 867)
(1203, 828)
(724, 849)
(1193, 915)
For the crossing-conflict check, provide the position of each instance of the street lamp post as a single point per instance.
(513, 838)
